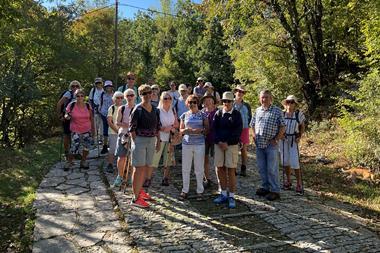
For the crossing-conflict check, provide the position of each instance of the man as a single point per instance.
(246, 114)
(180, 105)
(268, 128)
(199, 90)
(227, 127)
(94, 99)
(131, 85)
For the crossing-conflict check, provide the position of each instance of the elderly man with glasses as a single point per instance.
(200, 90)
(131, 77)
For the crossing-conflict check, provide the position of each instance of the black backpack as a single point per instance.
(297, 116)
(63, 106)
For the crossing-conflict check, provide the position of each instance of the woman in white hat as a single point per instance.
(295, 127)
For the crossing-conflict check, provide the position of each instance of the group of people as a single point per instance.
(203, 122)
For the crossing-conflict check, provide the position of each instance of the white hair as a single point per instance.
(129, 91)
(116, 94)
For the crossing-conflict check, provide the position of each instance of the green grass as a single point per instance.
(21, 171)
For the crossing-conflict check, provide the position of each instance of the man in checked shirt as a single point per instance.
(268, 128)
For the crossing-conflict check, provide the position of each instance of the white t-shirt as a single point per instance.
(114, 116)
(167, 118)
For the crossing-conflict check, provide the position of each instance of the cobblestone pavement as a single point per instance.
(76, 213)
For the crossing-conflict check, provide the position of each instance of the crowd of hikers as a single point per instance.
(142, 126)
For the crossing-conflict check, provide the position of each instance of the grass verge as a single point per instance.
(21, 171)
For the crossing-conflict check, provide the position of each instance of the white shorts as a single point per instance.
(289, 154)
(228, 158)
(112, 140)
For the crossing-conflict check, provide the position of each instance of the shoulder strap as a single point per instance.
(92, 93)
(88, 106)
(122, 112)
(113, 109)
(298, 116)
(72, 104)
(101, 98)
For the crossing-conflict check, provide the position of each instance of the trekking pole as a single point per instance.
(60, 149)
(97, 134)
(301, 176)
(283, 163)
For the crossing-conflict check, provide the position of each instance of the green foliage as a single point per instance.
(361, 121)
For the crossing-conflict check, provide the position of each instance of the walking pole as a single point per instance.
(127, 166)
(60, 150)
(97, 134)
(301, 176)
(283, 163)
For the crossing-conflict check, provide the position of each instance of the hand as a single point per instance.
(158, 146)
(274, 142)
(223, 146)
(298, 139)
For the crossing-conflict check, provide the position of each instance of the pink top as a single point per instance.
(80, 119)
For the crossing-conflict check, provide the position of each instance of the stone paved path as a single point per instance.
(76, 212)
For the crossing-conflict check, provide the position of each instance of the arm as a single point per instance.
(118, 119)
(111, 124)
(92, 123)
(301, 131)
(279, 136)
(61, 102)
(133, 124)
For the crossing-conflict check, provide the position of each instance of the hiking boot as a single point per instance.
(182, 196)
(139, 203)
(118, 181)
(243, 171)
(299, 189)
(144, 195)
(287, 186)
(207, 184)
(67, 166)
(165, 181)
(104, 150)
(84, 165)
(272, 196)
(221, 199)
(262, 192)
(147, 183)
(231, 202)
(109, 168)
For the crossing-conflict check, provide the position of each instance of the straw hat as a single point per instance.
(208, 95)
(239, 87)
(182, 87)
(290, 98)
(228, 95)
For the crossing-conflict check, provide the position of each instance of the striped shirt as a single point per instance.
(266, 124)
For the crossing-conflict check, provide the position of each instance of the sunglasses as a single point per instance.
(227, 101)
(154, 89)
(74, 86)
(146, 93)
(119, 97)
(290, 102)
(130, 95)
(240, 91)
(193, 102)
(131, 78)
(79, 96)
(168, 98)
(200, 81)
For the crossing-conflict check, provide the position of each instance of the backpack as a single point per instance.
(63, 106)
(123, 110)
(124, 88)
(249, 111)
(297, 116)
(72, 104)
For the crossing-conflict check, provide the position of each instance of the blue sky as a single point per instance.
(124, 11)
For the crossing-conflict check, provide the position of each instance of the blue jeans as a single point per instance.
(267, 162)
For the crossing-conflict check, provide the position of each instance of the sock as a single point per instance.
(231, 195)
(224, 193)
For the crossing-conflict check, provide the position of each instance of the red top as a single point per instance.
(80, 119)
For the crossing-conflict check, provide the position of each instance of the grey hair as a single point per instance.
(117, 94)
(268, 92)
(74, 82)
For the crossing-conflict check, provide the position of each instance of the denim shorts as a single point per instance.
(120, 151)
(143, 149)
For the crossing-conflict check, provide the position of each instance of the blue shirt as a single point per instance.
(105, 103)
(244, 113)
(266, 124)
(180, 106)
(193, 120)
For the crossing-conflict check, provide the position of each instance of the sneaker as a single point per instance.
(272, 196)
(109, 168)
(139, 203)
(165, 181)
(243, 171)
(147, 183)
(104, 150)
(299, 189)
(118, 181)
(182, 196)
(231, 202)
(144, 195)
(262, 192)
(67, 166)
(220, 199)
(287, 186)
(84, 165)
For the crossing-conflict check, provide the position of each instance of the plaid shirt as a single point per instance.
(266, 124)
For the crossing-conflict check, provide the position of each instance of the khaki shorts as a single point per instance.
(228, 158)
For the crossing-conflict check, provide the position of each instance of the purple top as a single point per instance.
(211, 134)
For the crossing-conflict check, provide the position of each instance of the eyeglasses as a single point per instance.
(199, 81)
(131, 78)
(130, 95)
(240, 91)
(290, 101)
(168, 98)
(146, 93)
(193, 102)
(226, 101)
(79, 96)
(74, 86)
(154, 89)
(119, 97)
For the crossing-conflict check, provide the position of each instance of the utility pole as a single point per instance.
(116, 43)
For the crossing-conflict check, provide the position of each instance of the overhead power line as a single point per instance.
(151, 10)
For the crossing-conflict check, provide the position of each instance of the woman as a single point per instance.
(113, 129)
(122, 121)
(105, 103)
(169, 123)
(81, 127)
(194, 126)
(289, 151)
(228, 126)
(209, 109)
(144, 127)
(155, 95)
